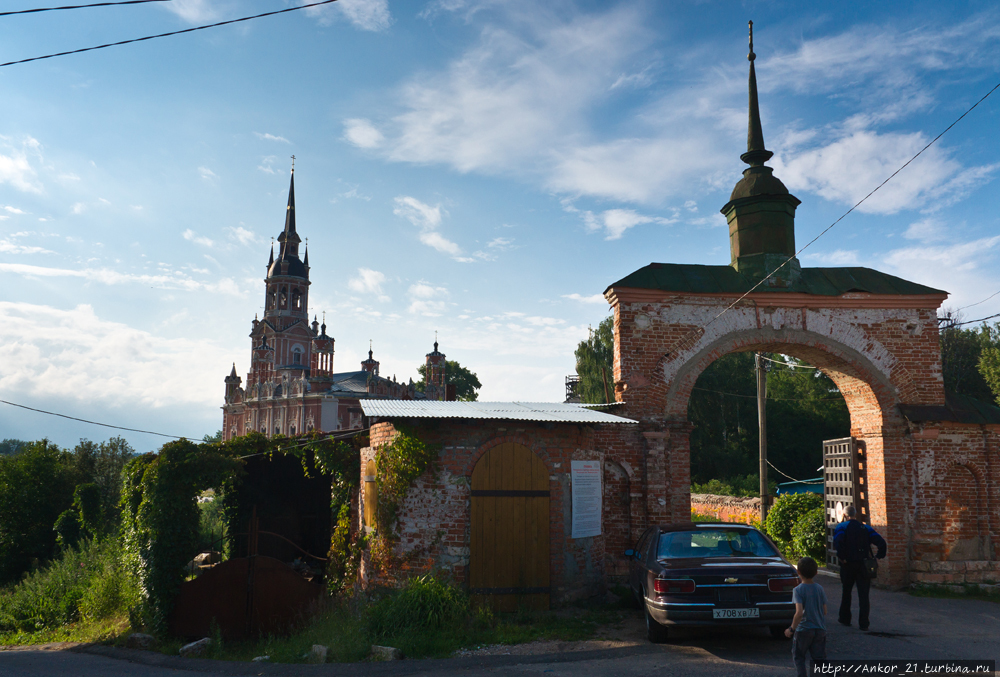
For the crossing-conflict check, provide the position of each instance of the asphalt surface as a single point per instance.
(902, 627)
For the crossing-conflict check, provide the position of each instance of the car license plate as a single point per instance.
(735, 613)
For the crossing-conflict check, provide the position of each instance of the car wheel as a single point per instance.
(656, 633)
(777, 631)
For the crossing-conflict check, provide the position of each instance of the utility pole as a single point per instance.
(762, 425)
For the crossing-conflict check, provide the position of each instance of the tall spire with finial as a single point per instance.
(760, 211)
(756, 154)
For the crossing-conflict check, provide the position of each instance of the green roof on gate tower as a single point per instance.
(761, 217)
(694, 278)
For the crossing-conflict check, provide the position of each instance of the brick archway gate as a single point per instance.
(869, 347)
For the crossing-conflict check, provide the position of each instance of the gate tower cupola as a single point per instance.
(761, 211)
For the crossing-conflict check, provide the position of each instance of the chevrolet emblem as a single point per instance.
(731, 580)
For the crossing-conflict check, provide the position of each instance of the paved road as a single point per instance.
(902, 627)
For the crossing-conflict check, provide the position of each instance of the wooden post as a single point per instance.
(762, 425)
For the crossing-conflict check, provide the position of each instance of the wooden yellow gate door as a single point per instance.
(509, 558)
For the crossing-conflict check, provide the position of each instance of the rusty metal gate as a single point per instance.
(844, 484)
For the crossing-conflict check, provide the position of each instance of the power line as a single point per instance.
(790, 477)
(982, 319)
(106, 425)
(96, 4)
(774, 399)
(732, 305)
(165, 35)
(788, 364)
(978, 302)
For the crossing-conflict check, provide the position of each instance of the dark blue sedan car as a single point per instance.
(711, 575)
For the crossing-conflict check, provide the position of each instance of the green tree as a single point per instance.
(10, 446)
(595, 364)
(804, 408)
(466, 382)
(36, 486)
(961, 350)
(102, 465)
(212, 439)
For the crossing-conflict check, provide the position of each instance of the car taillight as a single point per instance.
(668, 586)
(782, 584)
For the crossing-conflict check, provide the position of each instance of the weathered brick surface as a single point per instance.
(434, 518)
(932, 488)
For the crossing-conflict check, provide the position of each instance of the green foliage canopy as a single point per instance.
(466, 382)
(809, 534)
(36, 486)
(595, 364)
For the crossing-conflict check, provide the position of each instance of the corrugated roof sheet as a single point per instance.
(693, 278)
(512, 411)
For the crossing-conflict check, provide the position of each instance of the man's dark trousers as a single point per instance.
(851, 574)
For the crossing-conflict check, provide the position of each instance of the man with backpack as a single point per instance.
(853, 540)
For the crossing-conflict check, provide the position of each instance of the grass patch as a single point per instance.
(425, 619)
(82, 596)
(958, 591)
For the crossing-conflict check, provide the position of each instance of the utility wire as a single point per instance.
(978, 302)
(773, 399)
(164, 35)
(789, 364)
(792, 478)
(106, 425)
(96, 4)
(857, 204)
(982, 319)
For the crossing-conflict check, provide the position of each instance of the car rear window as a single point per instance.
(714, 542)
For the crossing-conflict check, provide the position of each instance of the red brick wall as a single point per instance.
(880, 351)
(433, 520)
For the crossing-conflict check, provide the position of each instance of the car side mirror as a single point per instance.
(630, 553)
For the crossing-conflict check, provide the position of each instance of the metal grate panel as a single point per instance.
(844, 484)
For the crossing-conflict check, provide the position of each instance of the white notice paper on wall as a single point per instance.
(586, 478)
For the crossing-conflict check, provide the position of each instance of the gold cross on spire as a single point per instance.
(293, 157)
(751, 56)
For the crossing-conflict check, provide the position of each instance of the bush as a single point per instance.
(738, 485)
(424, 602)
(809, 534)
(86, 582)
(785, 512)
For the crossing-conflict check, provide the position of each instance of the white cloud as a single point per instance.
(616, 221)
(15, 167)
(270, 137)
(838, 257)
(13, 210)
(847, 169)
(926, 230)
(595, 299)
(53, 353)
(501, 243)
(417, 212)
(427, 300)
(240, 234)
(643, 78)
(107, 276)
(78, 208)
(191, 236)
(964, 269)
(193, 11)
(13, 248)
(369, 281)
(362, 133)
(368, 15)
(434, 239)
(207, 173)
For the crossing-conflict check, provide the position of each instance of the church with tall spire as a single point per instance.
(292, 386)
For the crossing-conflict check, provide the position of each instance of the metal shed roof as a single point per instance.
(511, 411)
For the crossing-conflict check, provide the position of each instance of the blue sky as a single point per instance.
(483, 169)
